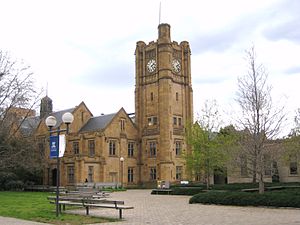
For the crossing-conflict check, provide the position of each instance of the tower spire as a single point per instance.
(159, 15)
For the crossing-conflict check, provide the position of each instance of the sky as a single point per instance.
(84, 50)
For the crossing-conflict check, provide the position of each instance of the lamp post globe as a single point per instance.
(122, 159)
(50, 121)
(67, 118)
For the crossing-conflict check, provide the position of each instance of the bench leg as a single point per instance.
(120, 213)
(87, 210)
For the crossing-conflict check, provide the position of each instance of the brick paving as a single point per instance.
(175, 210)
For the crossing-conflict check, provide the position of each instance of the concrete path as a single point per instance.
(175, 210)
(13, 221)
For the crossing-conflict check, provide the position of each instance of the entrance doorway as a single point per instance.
(220, 176)
(54, 177)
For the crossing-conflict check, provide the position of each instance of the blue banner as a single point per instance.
(54, 146)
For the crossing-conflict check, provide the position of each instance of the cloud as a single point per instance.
(285, 22)
(288, 30)
(293, 70)
(212, 79)
(114, 74)
(221, 40)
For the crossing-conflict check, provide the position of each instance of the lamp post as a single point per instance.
(122, 165)
(67, 118)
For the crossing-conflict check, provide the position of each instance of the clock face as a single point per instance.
(176, 65)
(151, 65)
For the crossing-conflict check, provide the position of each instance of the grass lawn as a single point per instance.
(34, 206)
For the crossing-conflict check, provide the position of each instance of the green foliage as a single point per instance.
(113, 189)
(291, 147)
(289, 198)
(14, 185)
(234, 186)
(34, 206)
(194, 188)
(6, 177)
(16, 179)
(210, 151)
(187, 190)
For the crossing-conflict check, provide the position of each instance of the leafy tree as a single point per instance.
(292, 142)
(260, 120)
(208, 148)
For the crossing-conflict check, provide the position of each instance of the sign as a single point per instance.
(57, 144)
(62, 145)
(54, 146)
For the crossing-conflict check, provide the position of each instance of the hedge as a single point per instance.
(186, 190)
(289, 198)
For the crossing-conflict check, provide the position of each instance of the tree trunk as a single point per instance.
(261, 184)
(207, 181)
(254, 175)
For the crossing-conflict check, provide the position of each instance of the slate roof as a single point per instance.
(58, 115)
(97, 123)
(29, 125)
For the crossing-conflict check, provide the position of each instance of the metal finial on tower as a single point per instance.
(159, 16)
(47, 88)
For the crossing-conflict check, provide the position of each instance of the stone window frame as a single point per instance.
(153, 173)
(91, 147)
(112, 147)
(130, 149)
(130, 174)
(152, 148)
(152, 120)
(122, 124)
(179, 170)
(90, 173)
(71, 174)
(178, 147)
(75, 147)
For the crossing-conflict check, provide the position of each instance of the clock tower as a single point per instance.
(163, 106)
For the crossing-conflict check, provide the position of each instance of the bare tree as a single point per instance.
(18, 97)
(296, 130)
(260, 119)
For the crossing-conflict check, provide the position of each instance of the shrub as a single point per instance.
(14, 185)
(6, 177)
(186, 190)
(276, 198)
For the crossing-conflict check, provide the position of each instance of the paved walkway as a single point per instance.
(13, 221)
(175, 210)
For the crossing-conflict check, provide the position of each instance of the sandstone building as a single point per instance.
(151, 142)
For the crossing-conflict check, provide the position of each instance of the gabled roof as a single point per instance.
(97, 123)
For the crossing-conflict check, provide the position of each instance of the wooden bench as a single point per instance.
(88, 203)
(87, 193)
